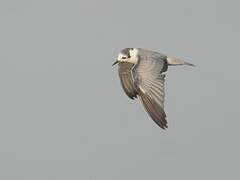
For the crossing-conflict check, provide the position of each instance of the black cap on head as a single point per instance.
(126, 51)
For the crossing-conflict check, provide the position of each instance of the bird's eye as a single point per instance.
(124, 57)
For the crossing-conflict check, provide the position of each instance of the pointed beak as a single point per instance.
(116, 62)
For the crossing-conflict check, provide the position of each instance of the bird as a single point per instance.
(142, 75)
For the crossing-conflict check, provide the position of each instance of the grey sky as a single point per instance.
(65, 116)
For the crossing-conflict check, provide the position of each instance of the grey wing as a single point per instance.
(150, 86)
(125, 75)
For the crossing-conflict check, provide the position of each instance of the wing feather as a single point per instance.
(149, 82)
(125, 74)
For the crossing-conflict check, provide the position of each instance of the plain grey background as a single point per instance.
(63, 112)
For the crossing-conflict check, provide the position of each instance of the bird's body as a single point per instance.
(141, 75)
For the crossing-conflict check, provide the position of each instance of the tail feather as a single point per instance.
(174, 61)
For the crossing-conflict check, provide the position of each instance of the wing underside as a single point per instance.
(125, 75)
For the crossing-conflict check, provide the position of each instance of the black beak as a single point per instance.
(115, 63)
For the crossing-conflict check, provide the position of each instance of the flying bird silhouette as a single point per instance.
(142, 75)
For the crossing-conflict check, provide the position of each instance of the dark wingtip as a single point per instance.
(164, 125)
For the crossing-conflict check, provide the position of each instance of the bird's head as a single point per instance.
(129, 55)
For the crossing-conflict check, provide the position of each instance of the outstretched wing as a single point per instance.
(125, 74)
(149, 81)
